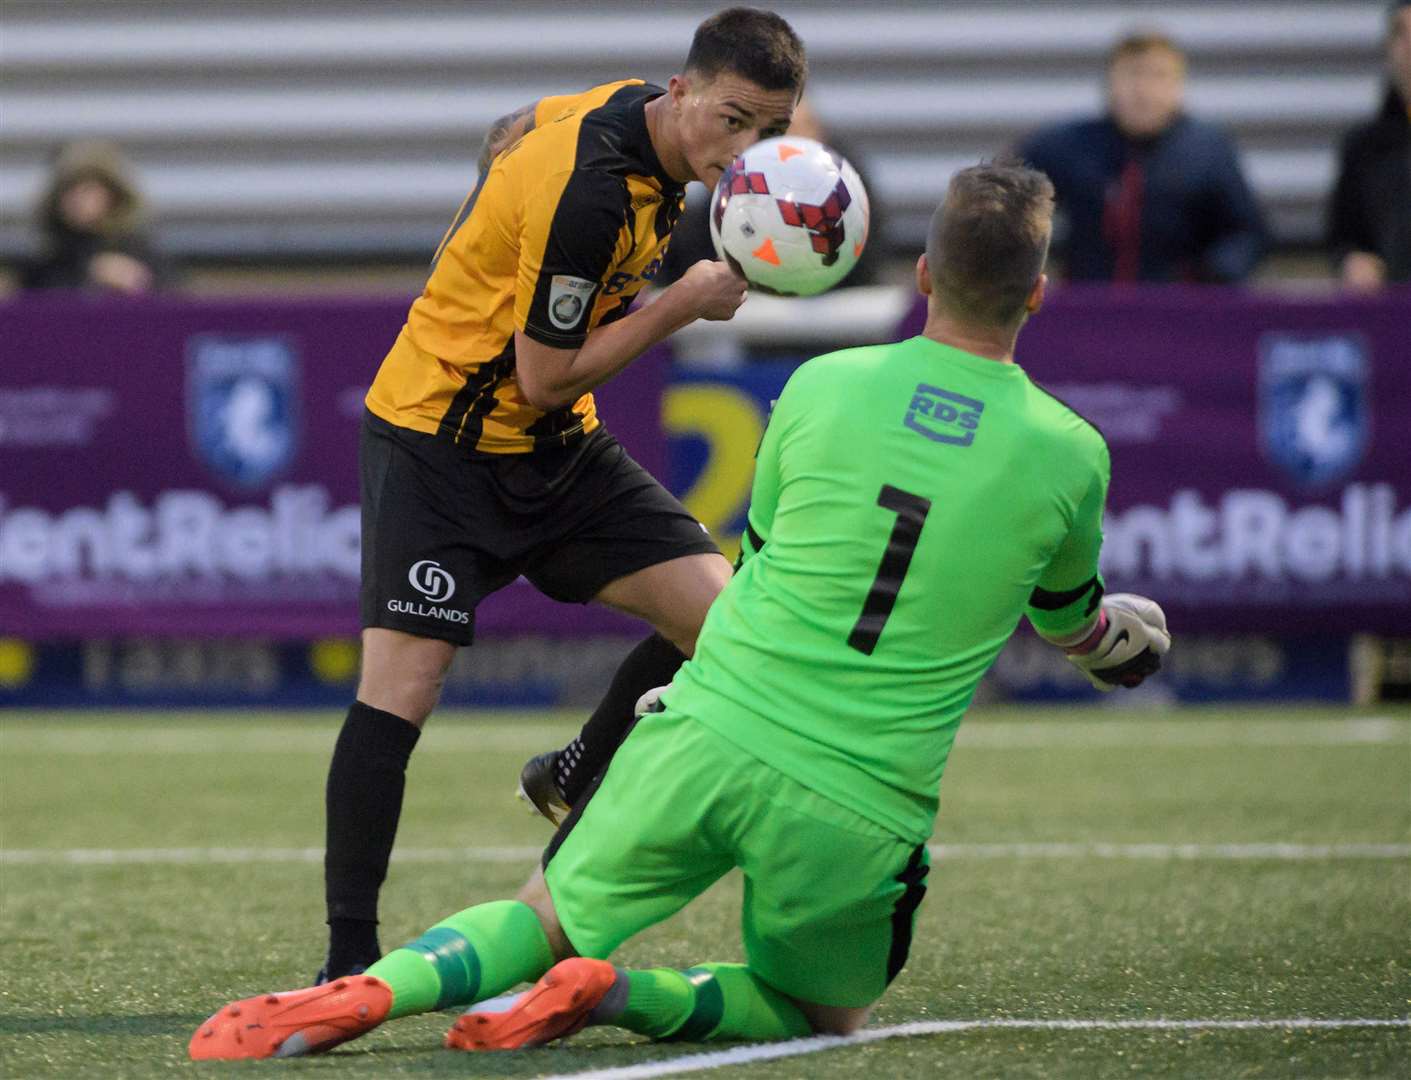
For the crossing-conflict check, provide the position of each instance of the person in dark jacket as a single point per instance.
(92, 220)
(1369, 215)
(1148, 192)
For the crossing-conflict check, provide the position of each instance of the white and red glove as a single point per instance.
(1126, 645)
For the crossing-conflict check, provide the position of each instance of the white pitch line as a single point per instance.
(293, 738)
(297, 737)
(188, 856)
(1194, 734)
(744, 1055)
(1271, 851)
(192, 856)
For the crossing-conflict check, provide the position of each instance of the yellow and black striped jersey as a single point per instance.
(563, 230)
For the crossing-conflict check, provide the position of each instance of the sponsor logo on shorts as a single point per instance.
(943, 417)
(428, 611)
(429, 579)
(568, 300)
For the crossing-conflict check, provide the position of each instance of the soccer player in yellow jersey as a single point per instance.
(482, 457)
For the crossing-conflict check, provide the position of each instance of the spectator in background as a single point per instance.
(91, 218)
(1369, 216)
(690, 240)
(1149, 193)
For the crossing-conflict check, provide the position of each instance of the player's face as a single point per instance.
(718, 119)
(1145, 90)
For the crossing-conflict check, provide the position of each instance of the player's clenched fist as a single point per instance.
(717, 290)
(1133, 642)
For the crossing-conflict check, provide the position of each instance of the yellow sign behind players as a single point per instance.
(16, 662)
(334, 660)
(730, 422)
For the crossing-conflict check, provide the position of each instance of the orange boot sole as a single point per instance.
(294, 1023)
(556, 1007)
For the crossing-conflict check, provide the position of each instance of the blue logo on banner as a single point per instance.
(242, 405)
(942, 416)
(1313, 405)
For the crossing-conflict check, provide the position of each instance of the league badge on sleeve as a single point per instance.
(242, 405)
(1314, 421)
(569, 299)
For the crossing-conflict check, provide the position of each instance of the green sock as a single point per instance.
(709, 1002)
(473, 955)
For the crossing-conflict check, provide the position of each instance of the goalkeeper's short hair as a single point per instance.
(989, 240)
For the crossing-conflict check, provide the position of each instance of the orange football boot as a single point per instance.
(555, 1007)
(297, 1022)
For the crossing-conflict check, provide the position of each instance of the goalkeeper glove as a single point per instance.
(650, 702)
(1127, 643)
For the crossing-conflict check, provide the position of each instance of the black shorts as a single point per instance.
(442, 529)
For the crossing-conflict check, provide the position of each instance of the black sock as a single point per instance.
(650, 664)
(364, 801)
(351, 943)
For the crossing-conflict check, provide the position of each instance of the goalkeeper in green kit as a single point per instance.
(911, 502)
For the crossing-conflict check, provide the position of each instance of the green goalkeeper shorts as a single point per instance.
(830, 898)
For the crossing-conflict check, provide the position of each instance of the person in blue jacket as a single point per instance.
(1148, 192)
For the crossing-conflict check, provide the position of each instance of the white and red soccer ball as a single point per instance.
(790, 215)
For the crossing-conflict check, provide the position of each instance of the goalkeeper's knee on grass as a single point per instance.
(1125, 645)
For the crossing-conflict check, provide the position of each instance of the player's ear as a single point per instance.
(923, 276)
(1036, 295)
(677, 89)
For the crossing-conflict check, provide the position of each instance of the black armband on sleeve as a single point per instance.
(1044, 600)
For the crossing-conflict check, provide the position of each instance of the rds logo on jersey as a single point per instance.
(942, 416)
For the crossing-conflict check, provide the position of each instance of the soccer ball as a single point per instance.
(790, 216)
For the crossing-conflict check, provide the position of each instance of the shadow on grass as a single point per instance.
(102, 1024)
(539, 1061)
(600, 1050)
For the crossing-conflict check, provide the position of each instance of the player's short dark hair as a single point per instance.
(988, 241)
(758, 45)
(1141, 42)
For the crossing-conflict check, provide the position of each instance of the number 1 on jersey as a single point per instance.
(911, 511)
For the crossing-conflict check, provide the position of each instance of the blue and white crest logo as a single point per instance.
(242, 405)
(1313, 405)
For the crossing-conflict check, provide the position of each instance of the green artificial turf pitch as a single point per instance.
(1096, 865)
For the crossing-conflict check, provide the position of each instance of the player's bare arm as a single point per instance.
(553, 378)
(505, 131)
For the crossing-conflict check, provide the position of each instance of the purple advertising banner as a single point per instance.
(1261, 449)
(189, 467)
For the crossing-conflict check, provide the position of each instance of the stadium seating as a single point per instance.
(289, 131)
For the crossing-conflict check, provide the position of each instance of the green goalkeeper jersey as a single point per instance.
(910, 503)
